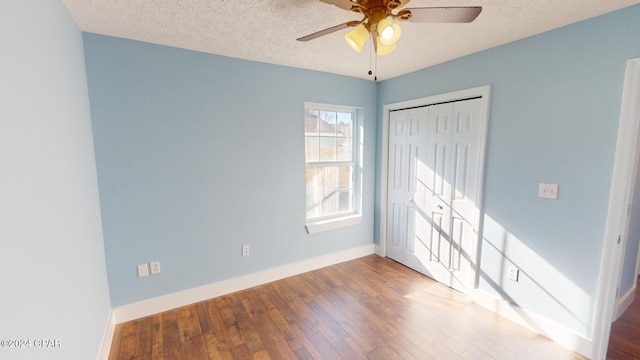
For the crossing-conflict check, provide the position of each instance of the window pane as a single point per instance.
(314, 204)
(314, 191)
(345, 177)
(330, 202)
(329, 190)
(327, 148)
(311, 118)
(344, 137)
(338, 189)
(311, 149)
(345, 203)
(314, 179)
(345, 124)
(327, 123)
(344, 150)
(330, 178)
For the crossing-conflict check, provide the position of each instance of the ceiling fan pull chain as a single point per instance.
(375, 62)
(370, 54)
(375, 76)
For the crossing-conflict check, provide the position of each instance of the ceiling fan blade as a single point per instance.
(456, 14)
(342, 4)
(330, 30)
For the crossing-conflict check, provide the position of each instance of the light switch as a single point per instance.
(548, 191)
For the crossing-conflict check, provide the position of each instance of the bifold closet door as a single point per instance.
(434, 159)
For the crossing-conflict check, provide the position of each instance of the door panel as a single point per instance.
(436, 205)
(396, 223)
(418, 219)
(466, 138)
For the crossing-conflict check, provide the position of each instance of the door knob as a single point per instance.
(440, 207)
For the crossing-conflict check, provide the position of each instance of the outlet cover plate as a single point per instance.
(548, 191)
(155, 267)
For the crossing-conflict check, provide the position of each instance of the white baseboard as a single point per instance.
(167, 302)
(625, 301)
(380, 251)
(108, 337)
(544, 327)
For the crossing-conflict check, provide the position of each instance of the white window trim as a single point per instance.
(333, 223)
(337, 221)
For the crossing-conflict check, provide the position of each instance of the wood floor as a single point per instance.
(624, 343)
(368, 308)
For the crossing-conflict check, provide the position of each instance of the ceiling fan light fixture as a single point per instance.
(385, 49)
(357, 37)
(388, 32)
(379, 21)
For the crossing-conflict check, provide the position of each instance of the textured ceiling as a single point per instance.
(266, 30)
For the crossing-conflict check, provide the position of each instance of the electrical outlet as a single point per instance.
(245, 250)
(513, 274)
(548, 191)
(143, 270)
(155, 267)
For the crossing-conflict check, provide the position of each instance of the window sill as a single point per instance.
(335, 223)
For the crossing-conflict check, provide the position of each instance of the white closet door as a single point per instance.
(415, 222)
(465, 181)
(434, 159)
(436, 200)
(397, 185)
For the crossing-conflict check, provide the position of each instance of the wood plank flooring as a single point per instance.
(368, 308)
(624, 343)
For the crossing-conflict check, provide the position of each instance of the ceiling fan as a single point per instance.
(384, 32)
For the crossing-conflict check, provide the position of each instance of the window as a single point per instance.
(330, 165)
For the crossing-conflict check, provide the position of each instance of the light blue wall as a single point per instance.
(199, 154)
(52, 264)
(555, 105)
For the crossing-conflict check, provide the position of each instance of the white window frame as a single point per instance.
(330, 222)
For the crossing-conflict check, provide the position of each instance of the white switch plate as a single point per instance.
(548, 191)
(143, 270)
(245, 250)
(155, 267)
(513, 273)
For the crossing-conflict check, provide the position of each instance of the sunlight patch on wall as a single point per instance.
(541, 288)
